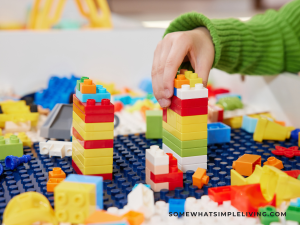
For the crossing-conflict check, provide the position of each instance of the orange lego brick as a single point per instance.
(180, 80)
(103, 217)
(272, 161)
(88, 87)
(245, 165)
(57, 173)
(134, 218)
(52, 183)
(200, 178)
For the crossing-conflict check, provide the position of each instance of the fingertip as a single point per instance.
(164, 102)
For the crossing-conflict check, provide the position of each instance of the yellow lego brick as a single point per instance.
(95, 152)
(174, 117)
(185, 136)
(194, 79)
(235, 122)
(12, 107)
(33, 117)
(91, 127)
(238, 179)
(98, 135)
(187, 74)
(25, 139)
(88, 170)
(92, 161)
(186, 128)
(74, 203)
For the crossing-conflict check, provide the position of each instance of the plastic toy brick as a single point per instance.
(165, 114)
(12, 127)
(189, 103)
(185, 136)
(230, 103)
(109, 143)
(187, 128)
(218, 91)
(238, 179)
(293, 214)
(248, 198)
(194, 167)
(287, 152)
(96, 135)
(146, 185)
(194, 79)
(186, 92)
(225, 95)
(170, 177)
(93, 127)
(104, 218)
(101, 93)
(297, 203)
(268, 130)
(176, 206)
(89, 170)
(200, 178)
(25, 139)
(156, 187)
(156, 156)
(293, 173)
(245, 164)
(267, 215)
(80, 81)
(32, 117)
(10, 146)
(125, 99)
(180, 80)
(249, 124)
(92, 161)
(30, 208)
(162, 169)
(295, 134)
(235, 122)
(93, 118)
(189, 111)
(272, 161)
(134, 218)
(215, 113)
(56, 148)
(52, 183)
(74, 203)
(185, 119)
(218, 133)
(154, 124)
(92, 107)
(12, 162)
(175, 91)
(57, 173)
(96, 152)
(220, 194)
(88, 87)
(106, 176)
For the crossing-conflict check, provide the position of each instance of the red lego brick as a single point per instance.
(189, 103)
(106, 176)
(220, 91)
(165, 114)
(248, 198)
(220, 194)
(169, 177)
(293, 173)
(172, 160)
(220, 114)
(173, 185)
(287, 152)
(109, 143)
(93, 107)
(189, 111)
(93, 118)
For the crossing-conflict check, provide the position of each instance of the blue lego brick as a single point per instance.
(101, 93)
(146, 85)
(218, 133)
(147, 185)
(296, 204)
(98, 181)
(249, 124)
(135, 99)
(295, 134)
(175, 91)
(125, 99)
(176, 206)
(219, 96)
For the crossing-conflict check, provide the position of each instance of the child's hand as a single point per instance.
(195, 46)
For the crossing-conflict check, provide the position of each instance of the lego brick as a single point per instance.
(185, 160)
(249, 124)
(92, 161)
(104, 218)
(156, 156)
(194, 79)
(187, 128)
(184, 144)
(162, 169)
(235, 122)
(293, 214)
(185, 136)
(92, 107)
(93, 118)
(175, 91)
(194, 167)
(134, 218)
(154, 124)
(74, 203)
(80, 81)
(267, 215)
(176, 206)
(97, 181)
(96, 152)
(238, 179)
(225, 95)
(220, 194)
(293, 173)
(295, 134)
(56, 148)
(33, 117)
(202, 110)
(218, 133)
(88, 87)
(287, 152)
(272, 161)
(96, 135)
(169, 177)
(24, 139)
(10, 146)
(245, 164)
(230, 103)
(185, 119)
(93, 127)
(52, 183)
(200, 178)
(165, 114)
(180, 80)
(156, 187)
(109, 143)
(57, 173)
(106, 176)
(11, 127)
(101, 93)
(186, 92)
(189, 103)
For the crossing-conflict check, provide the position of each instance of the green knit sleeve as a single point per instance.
(267, 44)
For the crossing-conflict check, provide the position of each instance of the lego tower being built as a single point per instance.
(93, 130)
(185, 123)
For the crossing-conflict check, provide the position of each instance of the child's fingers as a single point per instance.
(155, 78)
(203, 65)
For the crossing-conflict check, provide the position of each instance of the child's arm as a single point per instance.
(265, 45)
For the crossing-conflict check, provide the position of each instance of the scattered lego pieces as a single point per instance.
(154, 124)
(293, 213)
(57, 173)
(218, 133)
(220, 194)
(230, 103)
(268, 215)
(134, 218)
(52, 183)
(10, 146)
(12, 127)
(287, 152)
(103, 217)
(246, 164)
(200, 178)
(272, 161)
(87, 87)
(56, 148)
(12, 162)
(176, 206)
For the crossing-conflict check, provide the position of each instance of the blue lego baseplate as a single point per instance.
(129, 168)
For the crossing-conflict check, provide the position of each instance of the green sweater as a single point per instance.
(267, 44)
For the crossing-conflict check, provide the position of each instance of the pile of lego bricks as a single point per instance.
(93, 130)
(185, 123)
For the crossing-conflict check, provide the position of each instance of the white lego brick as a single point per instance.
(56, 148)
(12, 127)
(186, 92)
(130, 123)
(186, 160)
(156, 156)
(194, 167)
(246, 110)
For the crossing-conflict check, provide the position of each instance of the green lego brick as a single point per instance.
(267, 215)
(184, 144)
(10, 146)
(154, 124)
(298, 178)
(293, 213)
(185, 152)
(80, 81)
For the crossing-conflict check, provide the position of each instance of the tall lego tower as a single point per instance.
(185, 123)
(93, 130)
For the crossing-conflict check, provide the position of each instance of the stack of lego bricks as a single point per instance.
(93, 130)
(185, 123)
(161, 170)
